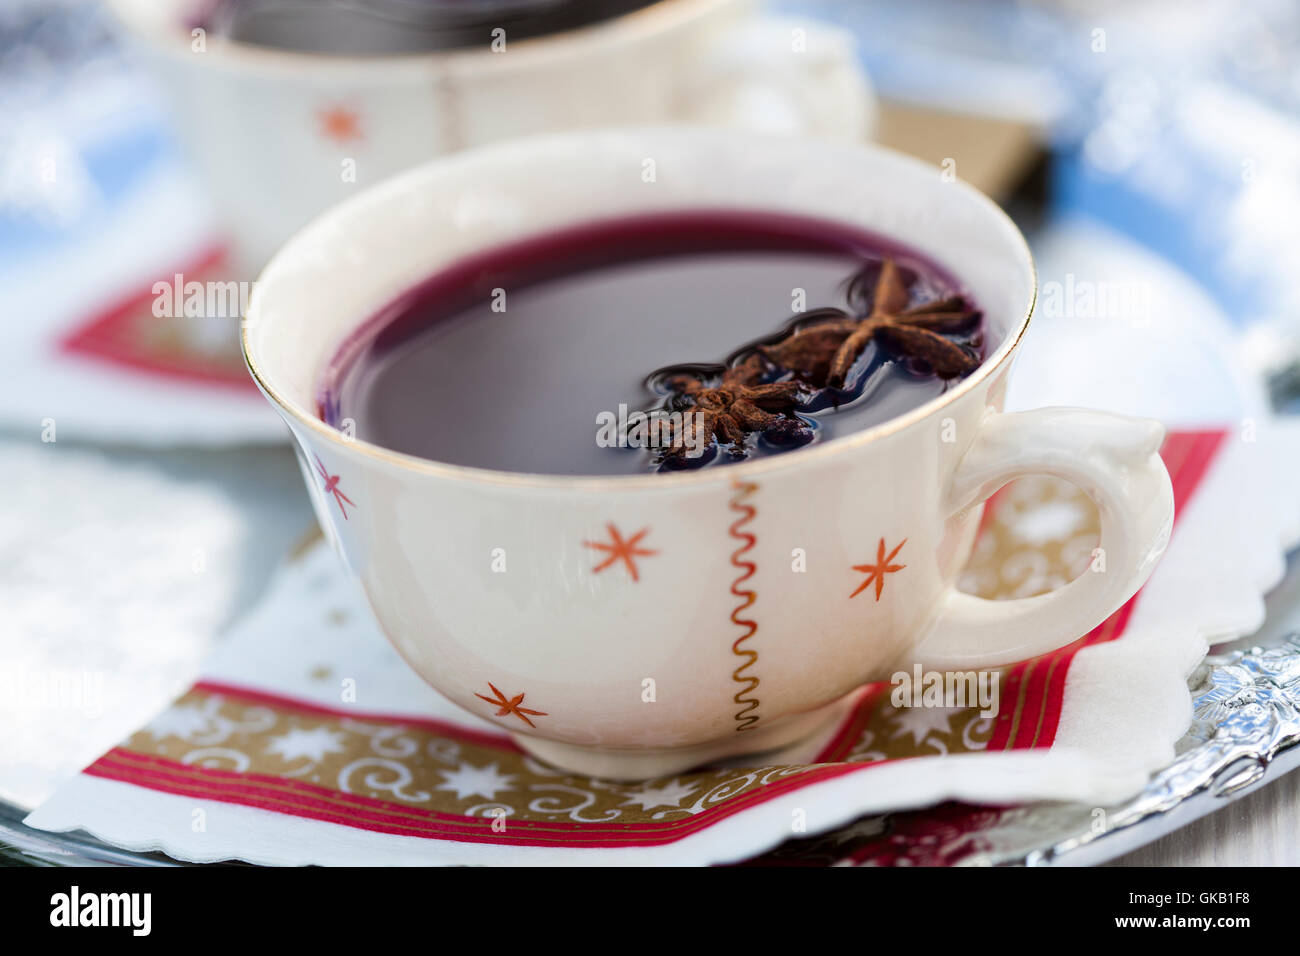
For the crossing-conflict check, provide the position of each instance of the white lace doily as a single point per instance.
(115, 579)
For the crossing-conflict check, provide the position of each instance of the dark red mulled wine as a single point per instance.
(654, 343)
(398, 26)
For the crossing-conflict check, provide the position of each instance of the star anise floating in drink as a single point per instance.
(824, 352)
(730, 411)
(764, 388)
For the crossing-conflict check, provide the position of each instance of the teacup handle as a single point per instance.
(1115, 461)
(776, 75)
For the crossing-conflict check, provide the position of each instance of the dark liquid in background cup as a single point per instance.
(376, 27)
(591, 314)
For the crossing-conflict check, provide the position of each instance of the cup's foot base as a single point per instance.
(643, 764)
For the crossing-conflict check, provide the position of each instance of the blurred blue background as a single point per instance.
(1176, 123)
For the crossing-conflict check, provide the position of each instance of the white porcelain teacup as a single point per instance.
(718, 646)
(279, 135)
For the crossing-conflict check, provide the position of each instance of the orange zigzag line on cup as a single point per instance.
(745, 720)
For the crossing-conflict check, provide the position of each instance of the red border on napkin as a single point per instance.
(118, 335)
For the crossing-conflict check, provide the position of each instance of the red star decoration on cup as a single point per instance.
(876, 572)
(511, 706)
(332, 488)
(340, 124)
(619, 549)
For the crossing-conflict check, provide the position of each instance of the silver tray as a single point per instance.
(1244, 734)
